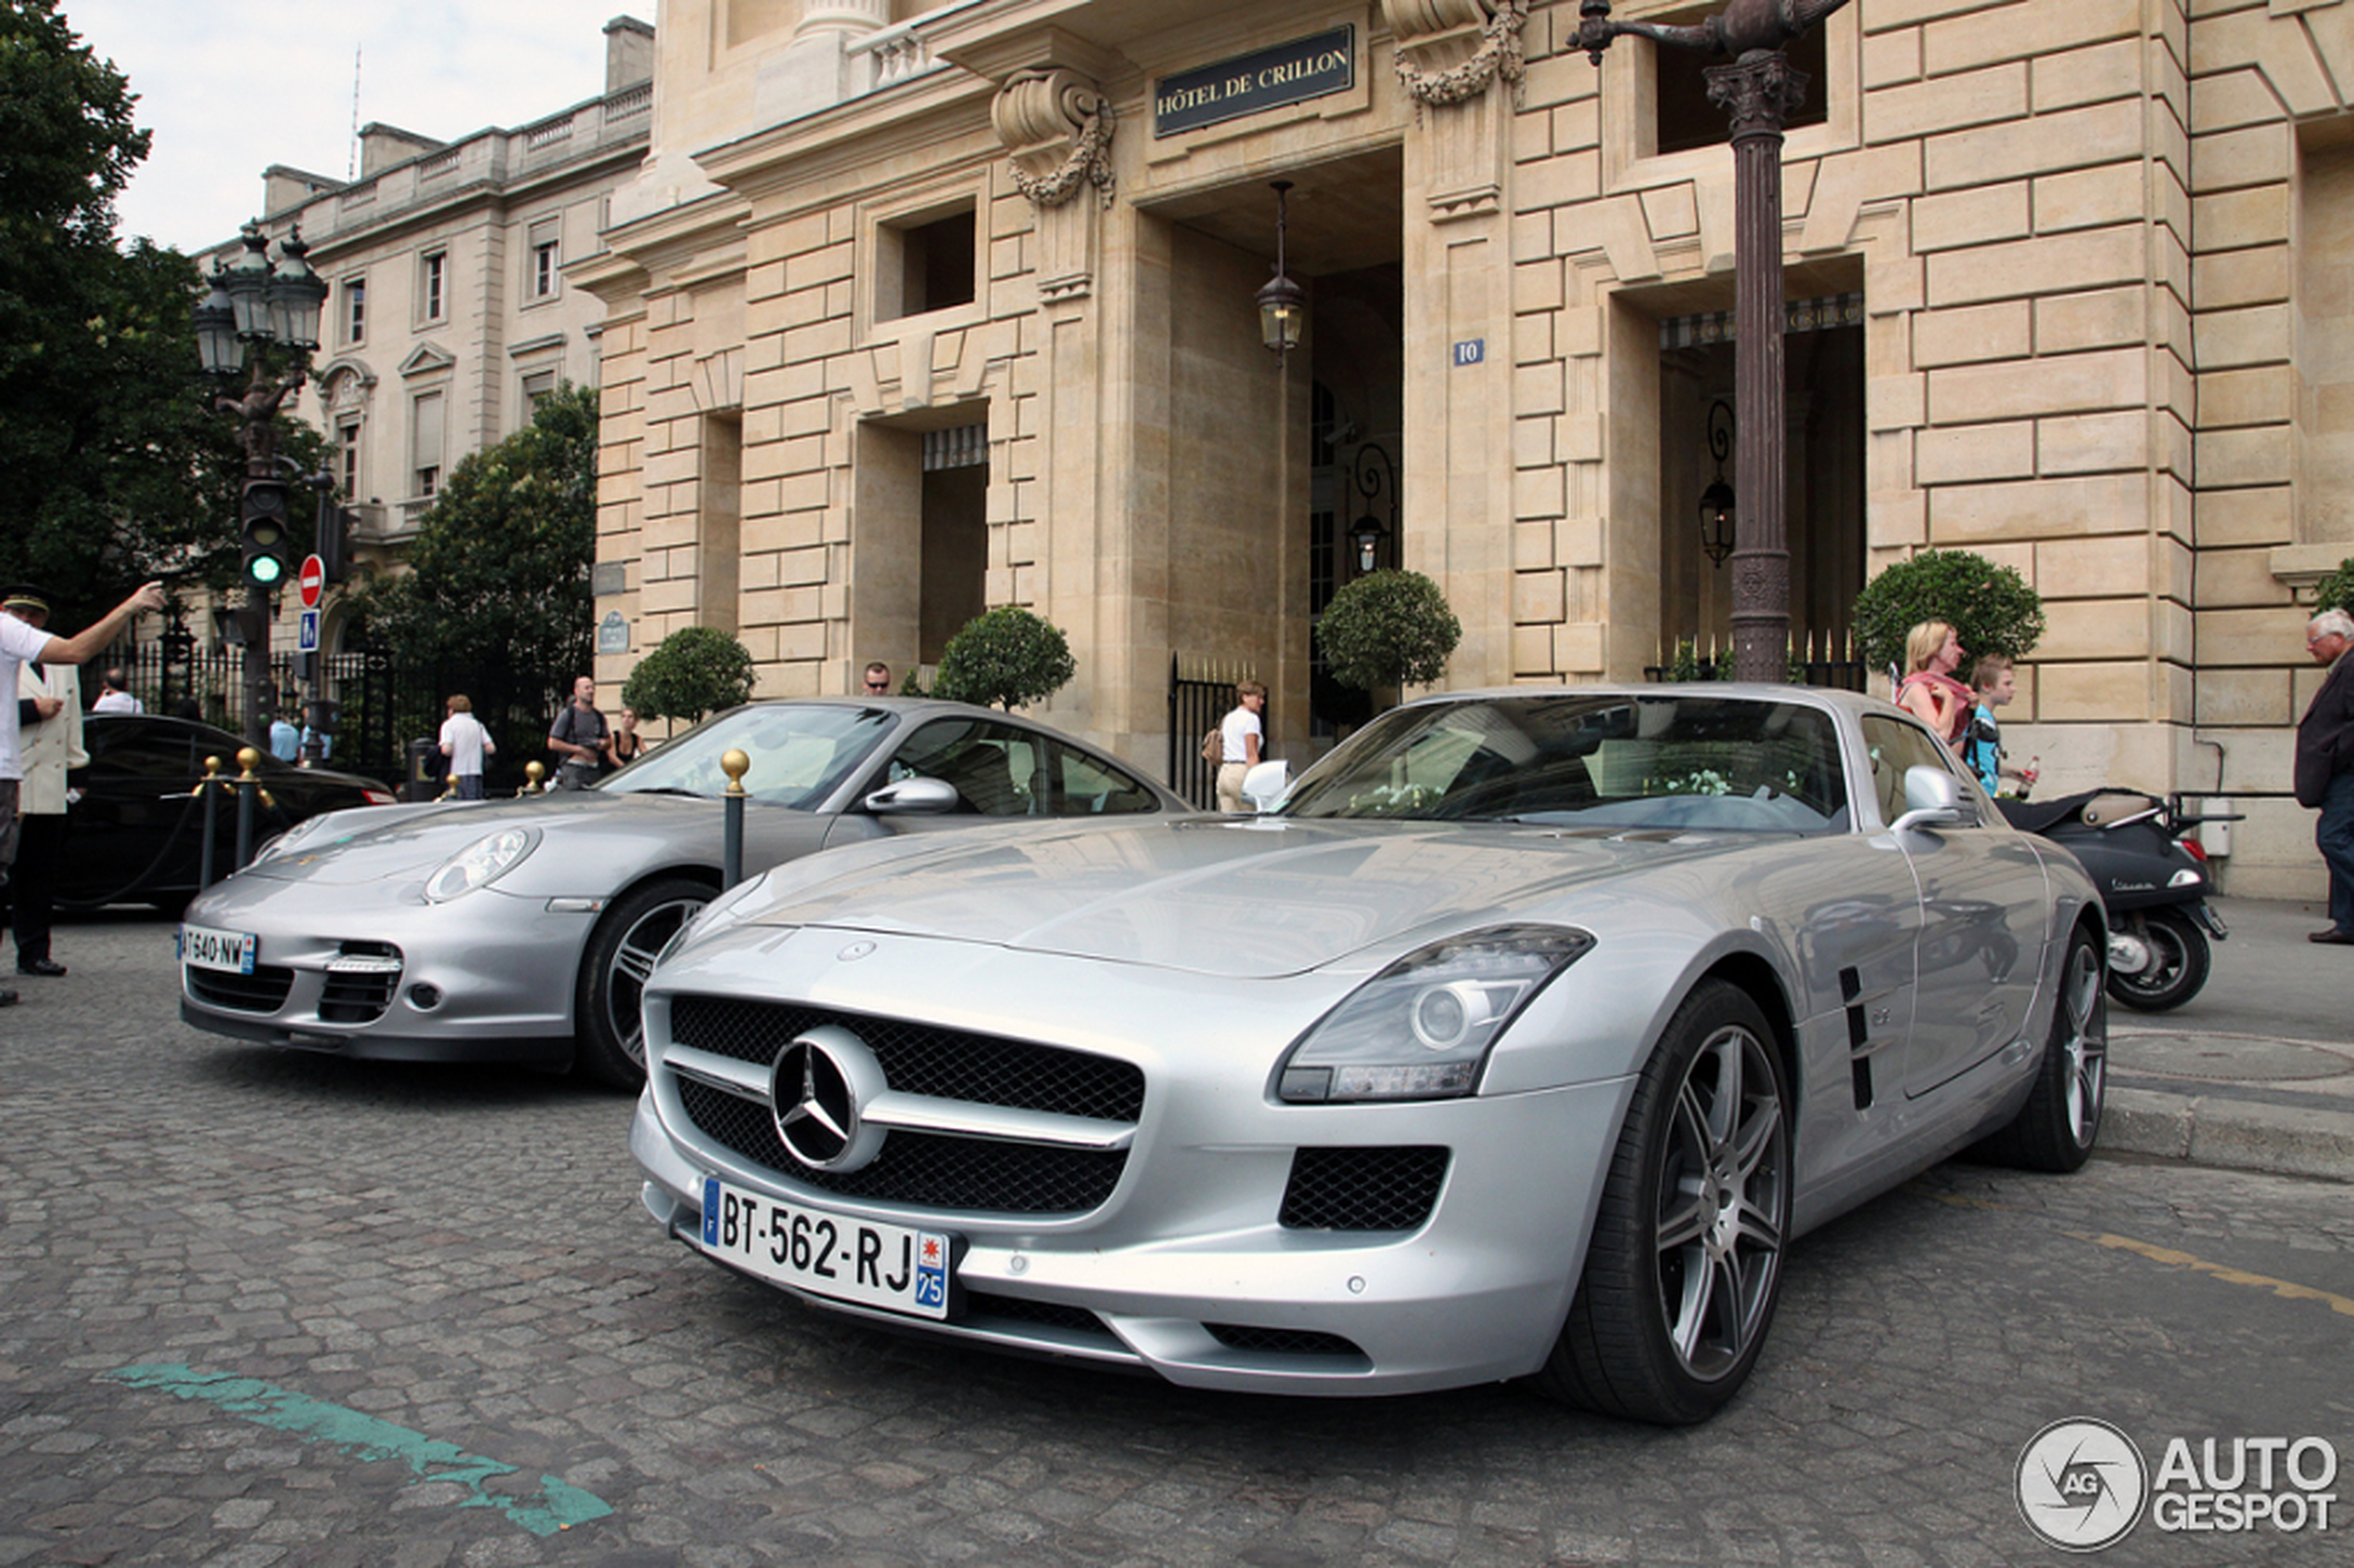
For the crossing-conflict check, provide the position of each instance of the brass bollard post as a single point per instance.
(735, 764)
(248, 786)
(206, 788)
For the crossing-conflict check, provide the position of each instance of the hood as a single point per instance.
(1247, 898)
(389, 843)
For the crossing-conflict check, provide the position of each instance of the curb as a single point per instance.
(2228, 1134)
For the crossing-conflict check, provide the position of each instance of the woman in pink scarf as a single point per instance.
(1933, 652)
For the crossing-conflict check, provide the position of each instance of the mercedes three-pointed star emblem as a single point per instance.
(822, 1086)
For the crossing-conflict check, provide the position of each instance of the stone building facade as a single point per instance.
(448, 313)
(918, 307)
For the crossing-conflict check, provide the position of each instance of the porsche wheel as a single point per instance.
(2056, 1129)
(621, 956)
(1684, 1268)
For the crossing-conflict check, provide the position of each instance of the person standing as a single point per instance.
(49, 742)
(579, 738)
(465, 742)
(627, 745)
(1930, 692)
(114, 695)
(286, 740)
(1244, 738)
(2324, 776)
(1995, 682)
(22, 643)
(878, 680)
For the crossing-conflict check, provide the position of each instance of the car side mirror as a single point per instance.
(1932, 798)
(1265, 786)
(915, 797)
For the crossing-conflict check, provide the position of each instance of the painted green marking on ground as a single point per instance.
(557, 1506)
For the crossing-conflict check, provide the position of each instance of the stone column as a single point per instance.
(1460, 63)
(1758, 91)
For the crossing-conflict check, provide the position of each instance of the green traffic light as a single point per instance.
(265, 570)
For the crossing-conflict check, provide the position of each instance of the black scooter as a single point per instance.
(2154, 884)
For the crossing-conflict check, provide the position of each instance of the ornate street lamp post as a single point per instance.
(1759, 90)
(253, 305)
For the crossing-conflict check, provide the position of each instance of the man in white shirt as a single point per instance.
(115, 697)
(22, 643)
(465, 742)
(48, 747)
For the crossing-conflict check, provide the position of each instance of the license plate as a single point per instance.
(893, 1266)
(204, 948)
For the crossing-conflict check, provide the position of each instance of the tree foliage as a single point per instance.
(1389, 629)
(499, 571)
(1991, 608)
(694, 671)
(119, 469)
(1007, 657)
(2336, 590)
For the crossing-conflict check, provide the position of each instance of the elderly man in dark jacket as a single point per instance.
(2325, 764)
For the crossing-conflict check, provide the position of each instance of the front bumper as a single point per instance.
(367, 973)
(1188, 1271)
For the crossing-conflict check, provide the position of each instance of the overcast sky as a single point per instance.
(229, 87)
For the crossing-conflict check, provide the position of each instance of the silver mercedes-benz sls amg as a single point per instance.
(1518, 1040)
(523, 930)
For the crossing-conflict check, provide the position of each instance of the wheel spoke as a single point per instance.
(1693, 1132)
(635, 964)
(1687, 1317)
(1759, 1232)
(1754, 1143)
(1683, 1222)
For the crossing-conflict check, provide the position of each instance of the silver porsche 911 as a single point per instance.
(523, 930)
(1519, 1040)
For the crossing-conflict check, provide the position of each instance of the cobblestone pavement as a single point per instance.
(258, 1308)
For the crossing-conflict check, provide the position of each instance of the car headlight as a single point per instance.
(480, 864)
(1421, 1029)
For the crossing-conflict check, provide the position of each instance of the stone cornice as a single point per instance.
(655, 250)
(851, 137)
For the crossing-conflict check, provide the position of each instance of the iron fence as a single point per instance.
(383, 704)
(1201, 693)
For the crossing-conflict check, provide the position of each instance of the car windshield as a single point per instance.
(1590, 759)
(800, 752)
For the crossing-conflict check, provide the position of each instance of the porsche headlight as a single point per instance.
(480, 864)
(1420, 1029)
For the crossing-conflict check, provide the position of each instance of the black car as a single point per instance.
(137, 834)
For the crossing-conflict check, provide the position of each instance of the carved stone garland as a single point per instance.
(1037, 110)
(1499, 56)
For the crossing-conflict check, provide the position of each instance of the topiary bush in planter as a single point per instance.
(694, 671)
(1004, 658)
(1389, 629)
(1991, 608)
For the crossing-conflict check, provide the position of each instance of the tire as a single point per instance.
(2055, 1129)
(611, 1038)
(1684, 1268)
(2178, 962)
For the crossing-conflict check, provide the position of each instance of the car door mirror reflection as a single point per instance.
(915, 797)
(1265, 786)
(1932, 798)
